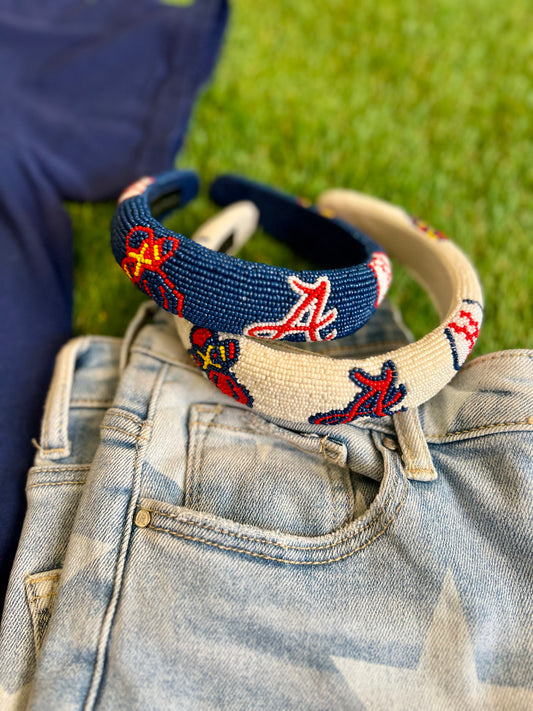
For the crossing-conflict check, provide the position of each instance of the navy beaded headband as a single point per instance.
(223, 293)
(297, 385)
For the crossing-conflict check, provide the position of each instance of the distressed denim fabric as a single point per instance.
(83, 386)
(221, 561)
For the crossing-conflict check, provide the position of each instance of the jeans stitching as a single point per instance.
(406, 440)
(253, 539)
(53, 483)
(496, 356)
(68, 370)
(201, 445)
(119, 429)
(285, 560)
(350, 496)
(286, 438)
(163, 358)
(195, 454)
(40, 597)
(333, 494)
(124, 415)
(33, 591)
(31, 583)
(46, 422)
(60, 468)
(190, 471)
(91, 403)
(120, 562)
(100, 643)
(337, 451)
(32, 580)
(44, 451)
(479, 429)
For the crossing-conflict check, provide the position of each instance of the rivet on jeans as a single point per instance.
(143, 518)
(389, 443)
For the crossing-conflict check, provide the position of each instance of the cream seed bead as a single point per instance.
(299, 386)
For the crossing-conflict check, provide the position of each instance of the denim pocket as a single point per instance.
(165, 524)
(252, 472)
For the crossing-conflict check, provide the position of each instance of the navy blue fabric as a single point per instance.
(223, 293)
(172, 190)
(94, 94)
(303, 230)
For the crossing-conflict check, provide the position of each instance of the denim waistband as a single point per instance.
(491, 394)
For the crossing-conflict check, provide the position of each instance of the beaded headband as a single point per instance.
(285, 383)
(223, 293)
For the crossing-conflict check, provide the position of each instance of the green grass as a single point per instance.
(427, 105)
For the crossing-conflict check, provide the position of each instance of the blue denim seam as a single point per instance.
(267, 432)
(328, 454)
(497, 356)
(103, 637)
(409, 453)
(485, 429)
(195, 484)
(284, 560)
(125, 415)
(262, 426)
(59, 468)
(344, 484)
(43, 579)
(54, 483)
(46, 417)
(258, 432)
(123, 431)
(333, 497)
(41, 597)
(93, 404)
(254, 539)
(265, 541)
(30, 588)
(107, 620)
(54, 476)
(34, 597)
(44, 452)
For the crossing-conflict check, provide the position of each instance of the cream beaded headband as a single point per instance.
(296, 386)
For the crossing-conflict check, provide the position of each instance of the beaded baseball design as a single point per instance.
(215, 357)
(463, 329)
(145, 256)
(227, 294)
(380, 396)
(308, 316)
(298, 386)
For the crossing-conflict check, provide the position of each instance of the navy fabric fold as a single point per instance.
(95, 94)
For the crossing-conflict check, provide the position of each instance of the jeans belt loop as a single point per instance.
(54, 441)
(415, 452)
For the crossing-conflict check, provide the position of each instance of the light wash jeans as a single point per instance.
(82, 389)
(220, 561)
